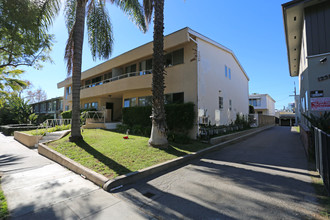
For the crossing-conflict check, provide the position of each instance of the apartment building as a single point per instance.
(263, 104)
(198, 70)
(307, 32)
(52, 107)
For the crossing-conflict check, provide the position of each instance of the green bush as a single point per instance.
(67, 114)
(179, 117)
(137, 116)
(180, 138)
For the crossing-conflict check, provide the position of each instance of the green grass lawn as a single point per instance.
(43, 131)
(109, 154)
(3, 205)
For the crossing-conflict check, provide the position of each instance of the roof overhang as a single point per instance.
(293, 17)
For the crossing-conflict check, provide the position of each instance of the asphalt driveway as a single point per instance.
(264, 177)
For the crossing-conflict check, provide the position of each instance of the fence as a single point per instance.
(49, 123)
(94, 117)
(258, 120)
(322, 155)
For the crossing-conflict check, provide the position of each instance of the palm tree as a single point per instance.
(99, 37)
(158, 136)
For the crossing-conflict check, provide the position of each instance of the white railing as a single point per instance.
(127, 75)
(49, 123)
(94, 116)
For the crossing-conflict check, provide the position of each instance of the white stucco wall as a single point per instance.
(212, 79)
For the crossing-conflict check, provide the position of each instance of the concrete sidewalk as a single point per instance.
(37, 188)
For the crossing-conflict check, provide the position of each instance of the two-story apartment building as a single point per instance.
(198, 70)
(307, 32)
(52, 107)
(263, 104)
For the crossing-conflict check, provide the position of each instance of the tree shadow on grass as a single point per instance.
(113, 165)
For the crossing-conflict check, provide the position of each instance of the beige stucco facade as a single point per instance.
(183, 77)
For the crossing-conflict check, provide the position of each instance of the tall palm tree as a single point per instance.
(158, 136)
(99, 37)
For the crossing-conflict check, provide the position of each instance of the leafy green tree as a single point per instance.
(23, 37)
(158, 136)
(100, 40)
(9, 79)
(15, 110)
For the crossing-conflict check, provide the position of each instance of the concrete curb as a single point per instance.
(96, 178)
(113, 184)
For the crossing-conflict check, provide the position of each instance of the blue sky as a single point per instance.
(253, 30)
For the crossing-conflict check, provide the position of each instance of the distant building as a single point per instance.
(307, 32)
(50, 107)
(263, 104)
(198, 70)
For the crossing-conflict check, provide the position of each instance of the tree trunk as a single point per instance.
(158, 136)
(78, 39)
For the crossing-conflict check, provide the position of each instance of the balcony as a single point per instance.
(123, 76)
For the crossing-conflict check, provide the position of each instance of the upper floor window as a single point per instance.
(67, 92)
(229, 73)
(130, 68)
(174, 58)
(230, 104)
(255, 102)
(226, 71)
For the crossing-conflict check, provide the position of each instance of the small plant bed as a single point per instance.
(109, 154)
(43, 131)
(3, 205)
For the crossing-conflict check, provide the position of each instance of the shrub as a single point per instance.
(179, 117)
(67, 114)
(180, 138)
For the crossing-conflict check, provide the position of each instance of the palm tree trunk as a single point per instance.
(158, 132)
(78, 39)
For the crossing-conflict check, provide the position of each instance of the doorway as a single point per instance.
(109, 105)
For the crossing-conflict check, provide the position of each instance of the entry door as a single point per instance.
(109, 105)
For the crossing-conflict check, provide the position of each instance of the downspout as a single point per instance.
(197, 60)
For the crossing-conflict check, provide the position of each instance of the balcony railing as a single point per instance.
(127, 75)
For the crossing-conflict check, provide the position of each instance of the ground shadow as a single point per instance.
(113, 165)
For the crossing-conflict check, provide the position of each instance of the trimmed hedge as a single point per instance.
(9, 129)
(179, 117)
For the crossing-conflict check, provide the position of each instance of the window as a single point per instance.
(229, 104)
(229, 73)
(130, 69)
(107, 76)
(66, 108)
(226, 71)
(178, 57)
(126, 103)
(174, 58)
(178, 98)
(145, 101)
(130, 102)
(255, 102)
(133, 102)
(220, 102)
(171, 98)
(94, 105)
(61, 104)
(67, 92)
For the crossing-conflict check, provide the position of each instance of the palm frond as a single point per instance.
(148, 6)
(134, 10)
(49, 9)
(69, 48)
(99, 27)
(70, 13)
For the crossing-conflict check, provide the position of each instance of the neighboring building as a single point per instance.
(263, 104)
(51, 107)
(307, 32)
(198, 70)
